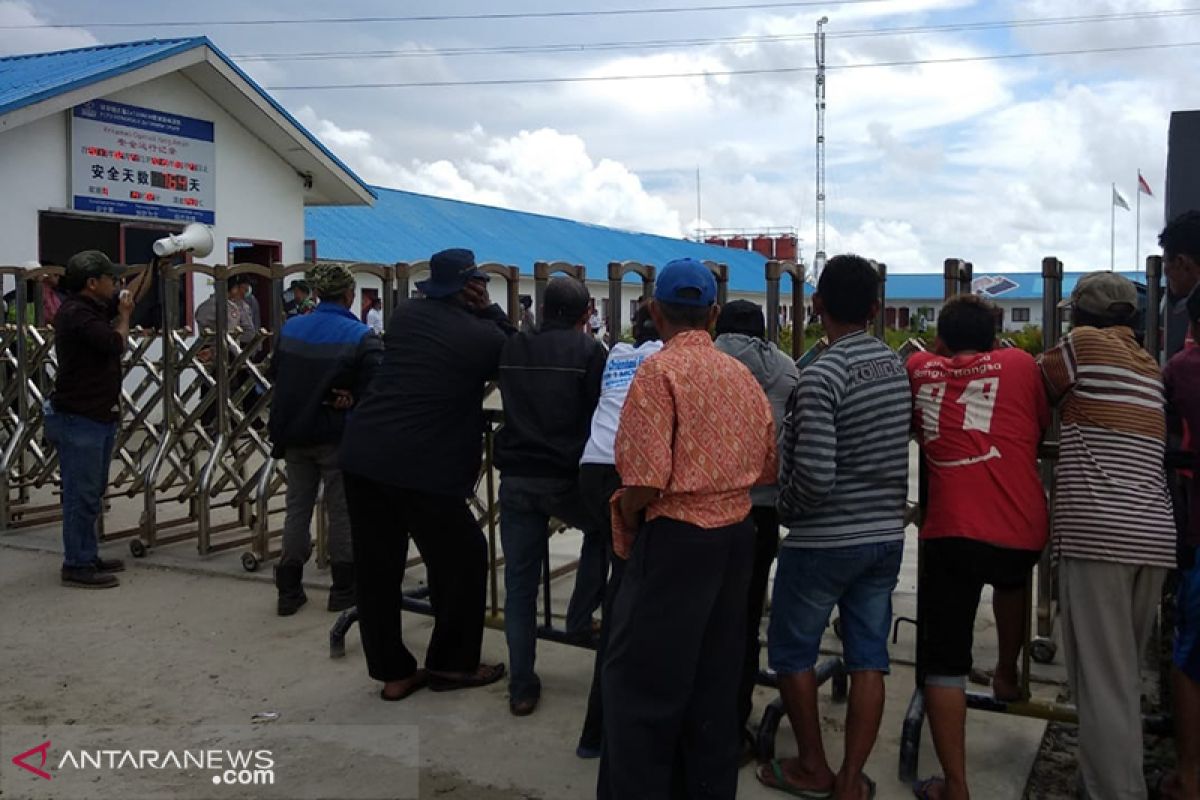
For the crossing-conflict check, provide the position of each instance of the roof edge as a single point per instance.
(179, 46)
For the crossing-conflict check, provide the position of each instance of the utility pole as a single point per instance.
(819, 256)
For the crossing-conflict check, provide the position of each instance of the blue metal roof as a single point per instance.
(32, 78)
(404, 226)
(995, 285)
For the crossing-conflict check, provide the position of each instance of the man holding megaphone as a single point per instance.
(90, 333)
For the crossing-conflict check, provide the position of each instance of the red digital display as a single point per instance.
(169, 180)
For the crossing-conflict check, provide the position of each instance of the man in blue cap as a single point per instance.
(696, 433)
(410, 456)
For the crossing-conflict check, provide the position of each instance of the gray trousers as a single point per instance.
(307, 468)
(1108, 613)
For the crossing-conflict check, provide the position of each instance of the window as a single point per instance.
(1020, 315)
(310, 250)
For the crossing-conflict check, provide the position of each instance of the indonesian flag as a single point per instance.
(1144, 187)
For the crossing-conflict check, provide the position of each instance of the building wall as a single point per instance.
(33, 161)
(259, 196)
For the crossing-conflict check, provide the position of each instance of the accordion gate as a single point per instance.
(191, 460)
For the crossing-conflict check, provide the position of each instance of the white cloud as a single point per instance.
(543, 171)
(36, 40)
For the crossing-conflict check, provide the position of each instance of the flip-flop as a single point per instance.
(778, 780)
(440, 683)
(921, 788)
(421, 680)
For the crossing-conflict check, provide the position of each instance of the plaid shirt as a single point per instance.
(697, 427)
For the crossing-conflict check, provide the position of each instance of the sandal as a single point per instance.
(420, 679)
(921, 789)
(484, 675)
(771, 775)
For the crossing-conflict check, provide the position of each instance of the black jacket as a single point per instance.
(88, 381)
(421, 423)
(550, 383)
(317, 353)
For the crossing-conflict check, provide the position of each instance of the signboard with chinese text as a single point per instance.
(143, 163)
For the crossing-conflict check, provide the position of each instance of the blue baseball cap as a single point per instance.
(681, 280)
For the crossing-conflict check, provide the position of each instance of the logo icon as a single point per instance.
(41, 749)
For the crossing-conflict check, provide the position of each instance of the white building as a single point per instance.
(112, 147)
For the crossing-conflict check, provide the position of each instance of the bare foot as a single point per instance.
(398, 690)
(1006, 685)
(789, 773)
(859, 788)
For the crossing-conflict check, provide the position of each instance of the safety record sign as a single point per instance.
(141, 162)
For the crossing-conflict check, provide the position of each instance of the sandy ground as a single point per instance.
(188, 650)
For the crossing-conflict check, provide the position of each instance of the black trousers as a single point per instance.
(382, 518)
(597, 484)
(674, 662)
(766, 545)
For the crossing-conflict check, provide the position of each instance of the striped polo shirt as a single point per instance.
(843, 458)
(1110, 501)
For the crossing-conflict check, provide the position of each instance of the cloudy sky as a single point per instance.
(999, 161)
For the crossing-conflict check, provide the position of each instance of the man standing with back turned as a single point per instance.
(90, 332)
(696, 433)
(843, 481)
(550, 383)
(1113, 531)
(321, 367)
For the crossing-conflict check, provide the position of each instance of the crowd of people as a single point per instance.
(681, 456)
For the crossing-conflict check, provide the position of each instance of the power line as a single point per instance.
(654, 44)
(497, 15)
(728, 73)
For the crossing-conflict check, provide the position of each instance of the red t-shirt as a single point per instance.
(979, 419)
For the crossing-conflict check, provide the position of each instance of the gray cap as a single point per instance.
(1105, 294)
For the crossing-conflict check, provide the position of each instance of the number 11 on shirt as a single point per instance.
(978, 399)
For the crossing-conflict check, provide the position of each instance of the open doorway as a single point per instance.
(257, 251)
(61, 235)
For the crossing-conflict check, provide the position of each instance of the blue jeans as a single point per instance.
(809, 582)
(84, 452)
(526, 505)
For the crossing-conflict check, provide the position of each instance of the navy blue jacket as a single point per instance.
(317, 353)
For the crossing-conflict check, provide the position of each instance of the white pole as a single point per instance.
(1112, 229)
(1137, 229)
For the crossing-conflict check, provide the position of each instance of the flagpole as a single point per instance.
(1137, 226)
(1112, 229)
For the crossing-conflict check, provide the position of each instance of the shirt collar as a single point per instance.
(334, 308)
(690, 339)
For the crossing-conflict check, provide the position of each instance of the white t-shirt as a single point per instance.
(375, 320)
(623, 361)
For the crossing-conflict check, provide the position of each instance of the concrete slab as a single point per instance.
(189, 642)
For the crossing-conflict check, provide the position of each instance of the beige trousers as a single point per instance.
(1108, 612)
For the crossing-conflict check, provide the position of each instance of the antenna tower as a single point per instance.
(819, 256)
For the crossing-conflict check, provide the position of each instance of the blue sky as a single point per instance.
(999, 162)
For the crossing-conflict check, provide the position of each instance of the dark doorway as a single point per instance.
(253, 251)
(60, 236)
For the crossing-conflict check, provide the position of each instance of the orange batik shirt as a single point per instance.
(697, 427)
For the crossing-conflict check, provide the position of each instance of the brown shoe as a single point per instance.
(108, 564)
(88, 578)
(523, 707)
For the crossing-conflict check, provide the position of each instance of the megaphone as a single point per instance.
(196, 239)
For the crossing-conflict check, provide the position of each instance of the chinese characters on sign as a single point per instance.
(141, 162)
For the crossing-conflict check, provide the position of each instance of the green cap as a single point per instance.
(330, 280)
(88, 264)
